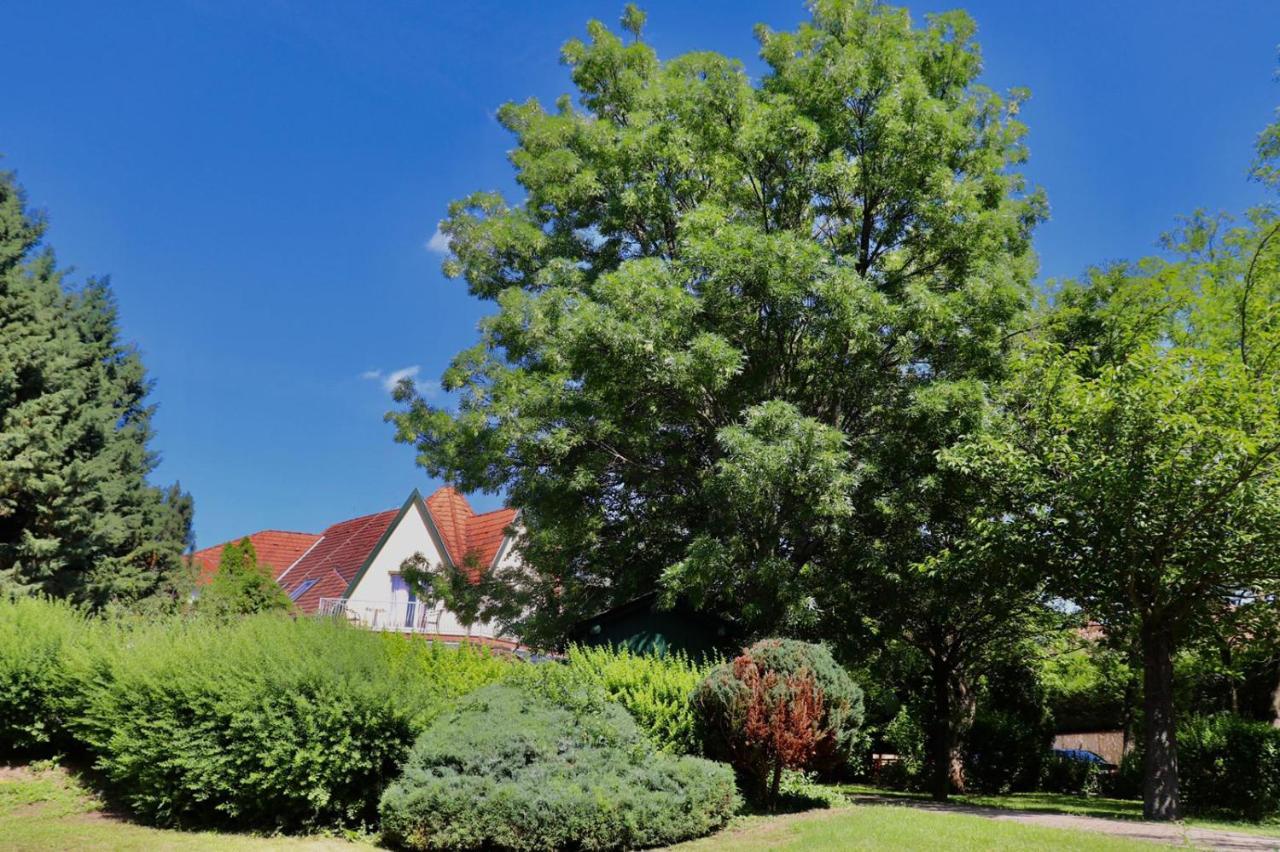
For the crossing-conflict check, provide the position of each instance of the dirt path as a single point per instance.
(1155, 832)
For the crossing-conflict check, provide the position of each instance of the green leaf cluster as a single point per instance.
(242, 586)
(259, 722)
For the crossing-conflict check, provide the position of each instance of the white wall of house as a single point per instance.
(377, 602)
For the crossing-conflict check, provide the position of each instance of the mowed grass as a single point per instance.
(1060, 803)
(885, 827)
(47, 809)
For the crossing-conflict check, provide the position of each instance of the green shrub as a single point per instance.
(1005, 746)
(264, 721)
(768, 687)
(1229, 766)
(654, 688)
(510, 769)
(1062, 774)
(35, 636)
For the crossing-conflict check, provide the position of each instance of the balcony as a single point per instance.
(412, 617)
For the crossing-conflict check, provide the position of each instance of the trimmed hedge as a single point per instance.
(258, 722)
(1229, 766)
(36, 636)
(264, 722)
(511, 769)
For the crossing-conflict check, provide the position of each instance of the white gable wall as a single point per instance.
(373, 601)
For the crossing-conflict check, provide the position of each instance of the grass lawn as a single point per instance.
(1058, 803)
(47, 809)
(884, 827)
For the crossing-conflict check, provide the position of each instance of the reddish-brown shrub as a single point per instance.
(781, 705)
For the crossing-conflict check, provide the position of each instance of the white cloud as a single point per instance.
(396, 376)
(439, 243)
(390, 379)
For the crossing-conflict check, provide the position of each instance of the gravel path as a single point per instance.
(1169, 834)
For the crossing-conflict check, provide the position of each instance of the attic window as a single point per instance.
(301, 589)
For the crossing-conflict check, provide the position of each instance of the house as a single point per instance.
(351, 570)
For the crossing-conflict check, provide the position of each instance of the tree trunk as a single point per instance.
(1275, 705)
(775, 784)
(941, 739)
(1160, 763)
(964, 707)
(1233, 690)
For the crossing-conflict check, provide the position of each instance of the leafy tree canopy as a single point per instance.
(1143, 446)
(736, 321)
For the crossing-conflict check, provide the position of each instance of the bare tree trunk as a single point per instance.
(1233, 689)
(1160, 799)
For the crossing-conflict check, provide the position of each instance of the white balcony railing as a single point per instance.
(405, 616)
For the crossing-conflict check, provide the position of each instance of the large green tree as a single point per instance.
(737, 320)
(78, 518)
(1144, 449)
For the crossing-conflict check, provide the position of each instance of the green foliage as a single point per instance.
(1062, 774)
(262, 721)
(78, 518)
(35, 638)
(510, 770)
(1089, 684)
(242, 586)
(737, 319)
(1141, 452)
(655, 689)
(1230, 767)
(722, 706)
(1005, 746)
(463, 589)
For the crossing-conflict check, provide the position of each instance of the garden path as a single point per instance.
(1156, 832)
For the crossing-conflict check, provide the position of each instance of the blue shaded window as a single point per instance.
(301, 589)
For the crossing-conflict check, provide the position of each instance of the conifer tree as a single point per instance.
(78, 518)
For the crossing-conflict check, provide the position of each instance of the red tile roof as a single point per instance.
(276, 548)
(465, 533)
(333, 562)
(333, 557)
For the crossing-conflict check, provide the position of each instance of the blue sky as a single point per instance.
(261, 178)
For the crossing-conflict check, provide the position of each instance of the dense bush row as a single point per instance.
(35, 638)
(511, 769)
(1227, 767)
(265, 721)
(273, 722)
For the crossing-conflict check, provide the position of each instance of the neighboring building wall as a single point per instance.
(1109, 745)
(375, 602)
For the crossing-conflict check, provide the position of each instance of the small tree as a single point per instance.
(242, 586)
(781, 705)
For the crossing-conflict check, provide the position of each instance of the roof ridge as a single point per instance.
(366, 518)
